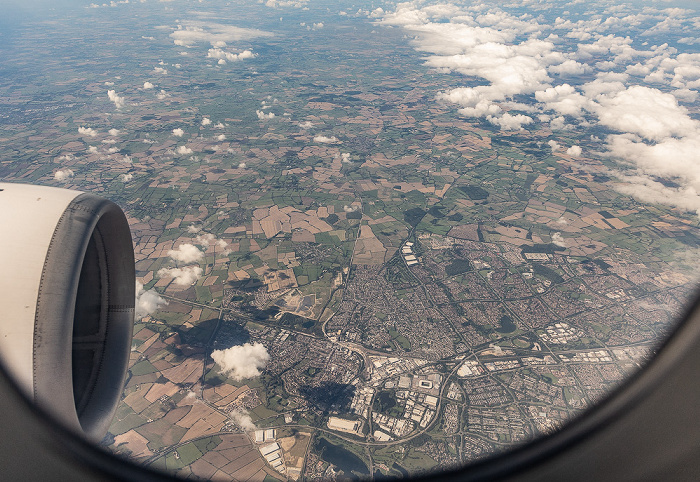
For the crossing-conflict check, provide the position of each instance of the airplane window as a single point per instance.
(372, 239)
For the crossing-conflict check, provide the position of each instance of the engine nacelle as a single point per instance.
(67, 286)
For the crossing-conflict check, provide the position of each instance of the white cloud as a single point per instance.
(206, 121)
(63, 174)
(645, 189)
(223, 245)
(242, 165)
(243, 420)
(87, 131)
(186, 253)
(262, 116)
(350, 209)
(216, 34)
(509, 122)
(483, 47)
(229, 56)
(563, 99)
(599, 86)
(186, 276)
(221, 137)
(92, 149)
(558, 240)
(243, 361)
(208, 239)
(118, 100)
(569, 68)
(114, 132)
(648, 112)
(193, 229)
(325, 139)
(306, 125)
(147, 85)
(574, 151)
(205, 239)
(178, 132)
(160, 70)
(287, 3)
(183, 151)
(126, 177)
(345, 157)
(162, 94)
(554, 145)
(147, 302)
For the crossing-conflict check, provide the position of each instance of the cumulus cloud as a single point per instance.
(569, 68)
(223, 246)
(118, 100)
(345, 157)
(206, 121)
(221, 137)
(242, 165)
(63, 174)
(87, 131)
(224, 56)
(186, 276)
(510, 60)
(645, 189)
(217, 34)
(147, 85)
(243, 420)
(558, 240)
(350, 209)
(509, 122)
(205, 239)
(114, 132)
(489, 53)
(574, 151)
(126, 177)
(563, 99)
(193, 229)
(183, 150)
(262, 116)
(186, 253)
(645, 111)
(243, 361)
(178, 132)
(147, 302)
(306, 125)
(325, 139)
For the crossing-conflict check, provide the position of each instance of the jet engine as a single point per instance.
(66, 302)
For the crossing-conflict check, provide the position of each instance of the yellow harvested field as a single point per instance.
(135, 442)
(183, 371)
(160, 389)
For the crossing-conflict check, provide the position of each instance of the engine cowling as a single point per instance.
(66, 301)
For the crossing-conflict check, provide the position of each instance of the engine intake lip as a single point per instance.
(84, 316)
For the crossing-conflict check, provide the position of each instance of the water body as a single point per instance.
(342, 458)
(397, 467)
(507, 325)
